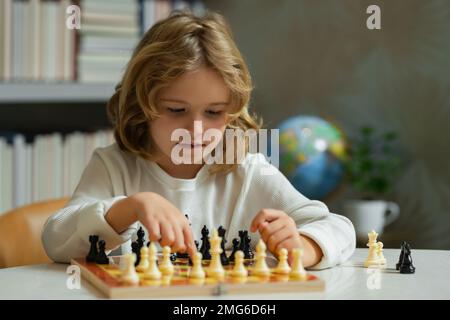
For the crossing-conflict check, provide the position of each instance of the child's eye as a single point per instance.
(213, 113)
(175, 110)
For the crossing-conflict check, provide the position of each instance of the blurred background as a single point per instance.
(318, 58)
(363, 114)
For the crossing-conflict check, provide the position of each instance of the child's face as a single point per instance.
(199, 95)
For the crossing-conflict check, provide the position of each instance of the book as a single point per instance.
(69, 48)
(148, 14)
(126, 7)
(49, 167)
(17, 41)
(35, 39)
(36, 167)
(6, 175)
(19, 170)
(25, 57)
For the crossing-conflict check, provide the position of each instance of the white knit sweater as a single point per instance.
(230, 200)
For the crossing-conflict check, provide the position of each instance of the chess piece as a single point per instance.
(407, 267)
(129, 275)
(215, 269)
(223, 256)
(152, 272)
(197, 271)
(138, 244)
(261, 268)
(196, 247)
(102, 258)
(381, 258)
(242, 240)
(144, 263)
(248, 253)
(183, 255)
(235, 249)
(298, 272)
(402, 253)
(140, 239)
(283, 265)
(93, 251)
(166, 266)
(239, 270)
(206, 245)
(372, 258)
(135, 249)
(187, 217)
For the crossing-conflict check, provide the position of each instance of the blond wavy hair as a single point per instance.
(178, 44)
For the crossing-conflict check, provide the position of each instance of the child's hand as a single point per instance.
(278, 230)
(164, 222)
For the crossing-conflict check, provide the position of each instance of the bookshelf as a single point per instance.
(44, 89)
(73, 92)
(54, 86)
(33, 108)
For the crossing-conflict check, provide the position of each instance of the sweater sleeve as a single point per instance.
(66, 233)
(334, 233)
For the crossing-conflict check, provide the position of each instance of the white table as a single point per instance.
(348, 281)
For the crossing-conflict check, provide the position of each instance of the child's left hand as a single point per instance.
(277, 229)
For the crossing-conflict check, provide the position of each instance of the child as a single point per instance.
(188, 70)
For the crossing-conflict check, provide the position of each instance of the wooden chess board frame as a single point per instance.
(106, 278)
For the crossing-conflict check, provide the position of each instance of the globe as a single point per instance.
(312, 151)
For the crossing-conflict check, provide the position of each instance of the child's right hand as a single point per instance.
(163, 221)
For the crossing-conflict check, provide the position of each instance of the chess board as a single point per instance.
(106, 278)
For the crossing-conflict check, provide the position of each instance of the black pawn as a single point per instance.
(223, 255)
(93, 252)
(407, 267)
(173, 257)
(248, 253)
(206, 246)
(235, 248)
(402, 253)
(102, 258)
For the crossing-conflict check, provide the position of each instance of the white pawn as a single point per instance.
(143, 263)
(197, 271)
(261, 268)
(152, 272)
(166, 266)
(283, 265)
(381, 258)
(298, 271)
(239, 270)
(129, 275)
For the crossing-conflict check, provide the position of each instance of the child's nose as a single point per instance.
(195, 127)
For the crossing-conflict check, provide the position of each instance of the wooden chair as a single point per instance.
(20, 233)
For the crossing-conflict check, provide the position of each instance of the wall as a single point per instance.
(318, 57)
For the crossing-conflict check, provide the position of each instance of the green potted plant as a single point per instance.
(371, 167)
